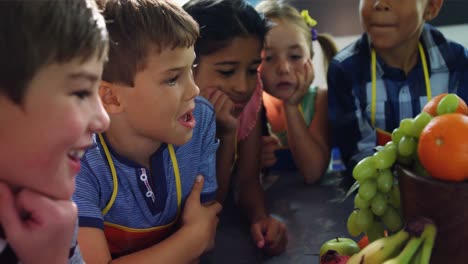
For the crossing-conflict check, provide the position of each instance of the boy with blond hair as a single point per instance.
(146, 192)
(51, 58)
(390, 73)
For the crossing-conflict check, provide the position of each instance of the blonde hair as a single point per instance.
(280, 10)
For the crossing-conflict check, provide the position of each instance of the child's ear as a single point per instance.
(432, 9)
(110, 97)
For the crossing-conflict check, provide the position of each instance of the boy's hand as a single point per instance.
(223, 106)
(270, 235)
(203, 219)
(269, 145)
(305, 77)
(39, 229)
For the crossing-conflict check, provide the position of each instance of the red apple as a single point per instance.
(333, 257)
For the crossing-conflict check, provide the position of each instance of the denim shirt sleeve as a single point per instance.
(460, 73)
(351, 131)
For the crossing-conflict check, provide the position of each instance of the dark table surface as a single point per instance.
(313, 214)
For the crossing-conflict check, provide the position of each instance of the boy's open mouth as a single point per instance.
(188, 120)
(76, 154)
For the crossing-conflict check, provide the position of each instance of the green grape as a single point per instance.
(353, 228)
(384, 158)
(391, 218)
(365, 169)
(420, 122)
(364, 219)
(448, 104)
(360, 203)
(407, 146)
(397, 134)
(385, 181)
(379, 204)
(395, 196)
(406, 126)
(375, 231)
(367, 189)
(391, 146)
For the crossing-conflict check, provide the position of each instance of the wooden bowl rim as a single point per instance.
(401, 170)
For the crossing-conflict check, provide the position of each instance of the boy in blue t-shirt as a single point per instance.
(140, 195)
(51, 57)
(405, 59)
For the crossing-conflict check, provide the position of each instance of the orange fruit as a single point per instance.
(443, 147)
(431, 106)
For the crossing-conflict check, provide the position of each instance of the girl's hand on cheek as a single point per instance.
(223, 106)
(39, 229)
(304, 77)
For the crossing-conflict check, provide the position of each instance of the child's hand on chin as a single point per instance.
(223, 106)
(38, 229)
(304, 78)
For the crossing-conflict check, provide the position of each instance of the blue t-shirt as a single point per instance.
(145, 202)
(398, 95)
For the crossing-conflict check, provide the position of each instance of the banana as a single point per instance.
(408, 252)
(428, 235)
(381, 249)
(417, 256)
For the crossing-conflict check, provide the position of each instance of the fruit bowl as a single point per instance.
(446, 203)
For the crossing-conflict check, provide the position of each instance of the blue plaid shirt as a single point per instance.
(398, 96)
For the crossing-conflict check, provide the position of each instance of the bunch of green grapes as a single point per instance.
(377, 202)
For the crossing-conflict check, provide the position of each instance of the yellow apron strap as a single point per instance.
(177, 176)
(374, 85)
(114, 175)
(115, 181)
(426, 72)
(374, 79)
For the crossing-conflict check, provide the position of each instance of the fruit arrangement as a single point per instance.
(433, 144)
(412, 244)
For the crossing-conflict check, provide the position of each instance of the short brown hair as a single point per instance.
(36, 33)
(138, 27)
